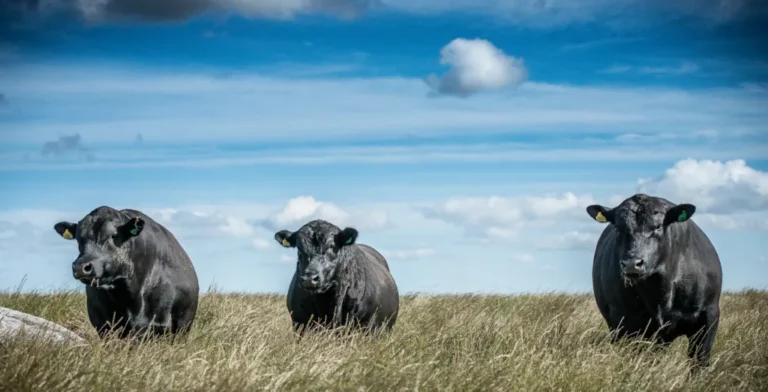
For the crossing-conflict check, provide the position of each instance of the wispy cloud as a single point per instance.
(683, 68)
(246, 106)
(197, 157)
(66, 146)
(585, 45)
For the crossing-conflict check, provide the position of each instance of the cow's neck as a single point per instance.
(657, 292)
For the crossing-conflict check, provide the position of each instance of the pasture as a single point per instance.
(554, 342)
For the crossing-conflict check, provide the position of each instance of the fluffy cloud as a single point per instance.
(503, 218)
(713, 186)
(300, 210)
(476, 65)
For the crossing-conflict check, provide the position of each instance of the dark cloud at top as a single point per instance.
(26, 12)
(178, 10)
(67, 146)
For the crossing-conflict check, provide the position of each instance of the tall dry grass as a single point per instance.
(446, 343)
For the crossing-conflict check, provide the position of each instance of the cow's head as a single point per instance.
(643, 237)
(320, 245)
(104, 240)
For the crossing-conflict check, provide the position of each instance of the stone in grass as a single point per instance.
(13, 322)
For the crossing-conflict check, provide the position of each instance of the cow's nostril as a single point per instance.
(87, 268)
(315, 279)
(639, 263)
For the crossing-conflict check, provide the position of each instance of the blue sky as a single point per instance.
(462, 139)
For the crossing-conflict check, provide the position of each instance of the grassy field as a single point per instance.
(445, 343)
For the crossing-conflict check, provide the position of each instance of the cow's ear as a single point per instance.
(679, 213)
(66, 230)
(346, 237)
(132, 228)
(600, 213)
(285, 238)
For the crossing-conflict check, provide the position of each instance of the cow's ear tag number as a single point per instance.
(600, 218)
(682, 217)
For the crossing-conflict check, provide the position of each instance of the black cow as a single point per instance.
(135, 271)
(655, 271)
(338, 281)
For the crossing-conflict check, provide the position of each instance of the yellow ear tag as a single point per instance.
(67, 234)
(286, 243)
(600, 218)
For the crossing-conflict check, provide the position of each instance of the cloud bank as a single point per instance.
(714, 186)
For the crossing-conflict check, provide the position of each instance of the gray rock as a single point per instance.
(13, 322)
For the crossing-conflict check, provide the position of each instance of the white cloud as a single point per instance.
(713, 186)
(504, 217)
(302, 209)
(408, 254)
(476, 65)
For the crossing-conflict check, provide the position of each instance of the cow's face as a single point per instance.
(319, 244)
(642, 224)
(104, 239)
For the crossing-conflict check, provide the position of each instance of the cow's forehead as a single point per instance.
(640, 210)
(98, 219)
(319, 228)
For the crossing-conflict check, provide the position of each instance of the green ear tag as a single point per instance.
(682, 217)
(349, 241)
(134, 231)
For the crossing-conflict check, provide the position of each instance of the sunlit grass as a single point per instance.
(446, 343)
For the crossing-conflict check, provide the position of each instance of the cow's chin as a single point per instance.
(99, 283)
(321, 289)
(632, 278)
